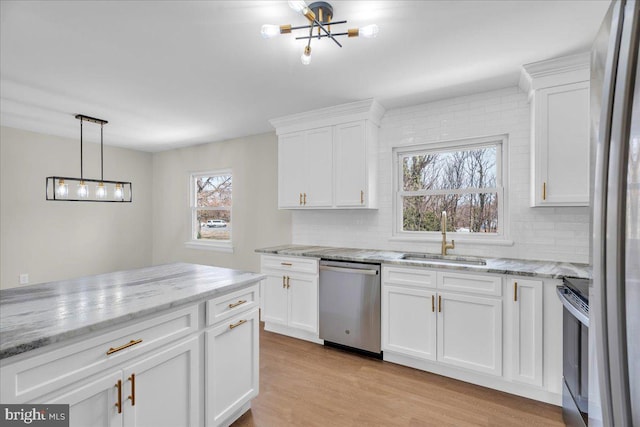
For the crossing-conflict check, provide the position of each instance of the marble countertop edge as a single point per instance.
(506, 266)
(20, 334)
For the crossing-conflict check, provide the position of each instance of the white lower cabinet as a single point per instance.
(290, 296)
(153, 372)
(486, 329)
(527, 324)
(161, 390)
(232, 364)
(92, 403)
(452, 328)
(409, 321)
(470, 332)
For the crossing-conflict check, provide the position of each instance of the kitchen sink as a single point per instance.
(447, 259)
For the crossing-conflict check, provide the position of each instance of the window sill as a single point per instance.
(210, 246)
(464, 240)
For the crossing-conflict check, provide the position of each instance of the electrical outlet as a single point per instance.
(24, 279)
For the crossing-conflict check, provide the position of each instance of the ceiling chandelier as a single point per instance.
(57, 187)
(319, 15)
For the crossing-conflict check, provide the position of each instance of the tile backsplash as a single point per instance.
(556, 234)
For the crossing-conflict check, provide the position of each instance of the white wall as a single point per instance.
(558, 234)
(256, 218)
(59, 240)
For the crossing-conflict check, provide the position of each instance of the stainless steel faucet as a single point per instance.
(445, 245)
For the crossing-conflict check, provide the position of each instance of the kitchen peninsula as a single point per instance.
(165, 345)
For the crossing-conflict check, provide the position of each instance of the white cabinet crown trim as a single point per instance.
(553, 72)
(369, 109)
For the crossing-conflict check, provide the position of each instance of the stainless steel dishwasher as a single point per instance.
(350, 305)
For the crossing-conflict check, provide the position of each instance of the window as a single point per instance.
(211, 202)
(463, 178)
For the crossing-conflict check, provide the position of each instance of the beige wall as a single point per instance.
(257, 222)
(59, 240)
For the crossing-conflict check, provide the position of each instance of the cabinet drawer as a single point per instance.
(472, 283)
(295, 264)
(223, 307)
(409, 276)
(31, 378)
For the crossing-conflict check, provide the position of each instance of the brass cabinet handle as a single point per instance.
(515, 291)
(288, 279)
(439, 303)
(284, 282)
(132, 397)
(235, 325)
(122, 347)
(304, 199)
(544, 191)
(433, 303)
(119, 402)
(288, 264)
(362, 197)
(242, 301)
(300, 199)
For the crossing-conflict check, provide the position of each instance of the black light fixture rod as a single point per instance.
(81, 175)
(310, 37)
(314, 25)
(316, 22)
(321, 36)
(101, 155)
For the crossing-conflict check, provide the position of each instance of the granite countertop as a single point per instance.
(39, 315)
(545, 269)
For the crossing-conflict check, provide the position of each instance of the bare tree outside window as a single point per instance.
(464, 182)
(211, 206)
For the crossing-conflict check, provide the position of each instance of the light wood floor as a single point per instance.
(305, 384)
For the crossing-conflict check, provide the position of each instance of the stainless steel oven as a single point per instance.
(574, 295)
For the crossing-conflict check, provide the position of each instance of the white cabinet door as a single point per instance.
(470, 332)
(163, 390)
(291, 169)
(409, 321)
(351, 164)
(318, 168)
(232, 365)
(561, 146)
(93, 403)
(275, 300)
(526, 322)
(303, 302)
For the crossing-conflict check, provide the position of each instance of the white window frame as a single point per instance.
(211, 245)
(499, 238)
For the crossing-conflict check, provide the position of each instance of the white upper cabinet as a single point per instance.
(559, 95)
(305, 169)
(355, 164)
(328, 158)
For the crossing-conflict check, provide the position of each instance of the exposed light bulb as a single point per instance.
(118, 193)
(370, 31)
(101, 191)
(63, 189)
(306, 55)
(83, 190)
(298, 5)
(269, 30)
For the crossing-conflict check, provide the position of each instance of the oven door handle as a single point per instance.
(349, 270)
(574, 311)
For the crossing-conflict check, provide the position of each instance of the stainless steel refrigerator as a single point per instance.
(614, 377)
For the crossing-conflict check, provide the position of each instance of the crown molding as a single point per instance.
(368, 109)
(556, 71)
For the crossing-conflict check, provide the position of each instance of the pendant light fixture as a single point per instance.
(319, 15)
(57, 187)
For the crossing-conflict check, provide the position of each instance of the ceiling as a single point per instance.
(167, 74)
